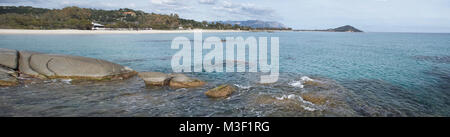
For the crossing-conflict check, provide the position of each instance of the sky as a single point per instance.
(367, 15)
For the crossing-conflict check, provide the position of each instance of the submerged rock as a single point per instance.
(183, 81)
(154, 78)
(314, 83)
(74, 67)
(7, 77)
(286, 102)
(316, 99)
(220, 92)
(8, 58)
(306, 81)
(8, 71)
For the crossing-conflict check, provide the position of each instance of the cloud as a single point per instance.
(22, 1)
(193, 9)
(246, 11)
(169, 6)
(207, 2)
(166, 2)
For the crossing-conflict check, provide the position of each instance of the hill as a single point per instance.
(346, 28)
(257, 24)
(26, 17)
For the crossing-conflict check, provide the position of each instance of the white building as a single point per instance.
(96, 26)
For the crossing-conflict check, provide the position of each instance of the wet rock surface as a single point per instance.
(220, 91)
(8, 77)
(183, 81)
(158, 79)
(154, 78)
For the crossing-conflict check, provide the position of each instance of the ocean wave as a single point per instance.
(296, 84)
(306, 105)
(305, 78)
(299, 83)
(242, 87)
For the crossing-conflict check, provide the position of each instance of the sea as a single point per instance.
(321, 74)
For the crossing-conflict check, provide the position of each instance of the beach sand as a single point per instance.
(22, 31)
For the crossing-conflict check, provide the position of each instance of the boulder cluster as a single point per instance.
(159, 79)
(15, 64)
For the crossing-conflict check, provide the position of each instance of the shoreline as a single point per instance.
(70, 31)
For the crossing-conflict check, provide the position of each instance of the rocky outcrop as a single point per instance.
(172, 80)
(74, 67)
(8, 58)
(154, 78)
(220, 92)
(183, 81)
(40, 65)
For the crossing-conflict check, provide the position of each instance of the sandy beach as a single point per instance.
(22, 31)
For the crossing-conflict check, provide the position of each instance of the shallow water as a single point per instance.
(360, 74)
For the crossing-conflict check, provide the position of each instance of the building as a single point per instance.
(96, 26)
(129, 13)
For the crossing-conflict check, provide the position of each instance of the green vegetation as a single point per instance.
(25, 17)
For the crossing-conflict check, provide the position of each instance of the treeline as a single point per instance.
(26, 17)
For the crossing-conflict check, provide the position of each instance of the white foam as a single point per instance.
(181, 89)
(291, 96)
(66, 80)
(281, 98)
(242, 87)
(306, 104)
(296, 84)
(305, 78)
(308, 108)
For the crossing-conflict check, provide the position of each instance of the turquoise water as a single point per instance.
(373, 74)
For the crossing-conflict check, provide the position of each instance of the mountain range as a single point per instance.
(256, 24)
(346, 28)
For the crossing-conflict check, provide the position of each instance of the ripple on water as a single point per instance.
(435, 59)
(318, 97)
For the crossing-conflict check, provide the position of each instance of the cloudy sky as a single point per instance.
(368, 15)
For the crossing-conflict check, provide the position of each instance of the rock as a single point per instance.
(8, 71)
(24, 63)
(220, 92)
(154, 78)
(315, 99)
(183, 81)
(73, 67)
(8, 58)
(7, 78)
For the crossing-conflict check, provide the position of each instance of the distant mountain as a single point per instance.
(346, 28)
(256, 24)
